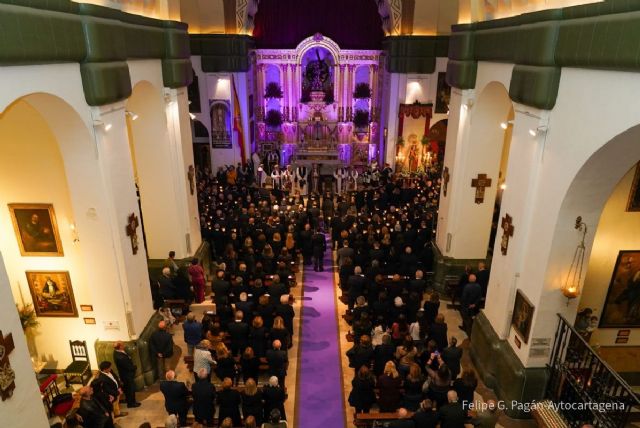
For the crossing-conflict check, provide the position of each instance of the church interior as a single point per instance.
(320, 213)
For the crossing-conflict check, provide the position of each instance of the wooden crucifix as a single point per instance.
(7, 375)
(132, 227)
(445, 180)
(507, 228)
(480, 183)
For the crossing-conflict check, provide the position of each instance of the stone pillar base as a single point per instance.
(448, 266)
(138, 350)
(502, 371)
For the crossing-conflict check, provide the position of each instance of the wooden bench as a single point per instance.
(367, 419)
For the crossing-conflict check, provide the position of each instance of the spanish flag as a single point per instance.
(237, 122)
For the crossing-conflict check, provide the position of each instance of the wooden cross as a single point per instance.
(480, 183)
(445, 180)
(7, 375)
(132, 226)
(507, 227)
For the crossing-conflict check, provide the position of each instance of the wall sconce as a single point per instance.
(101, 124)
(505, 125)
(131, 114)
(571, 288)
(539, 130)
(192, 116)
(74, 232)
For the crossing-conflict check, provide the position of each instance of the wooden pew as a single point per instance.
(367, 419)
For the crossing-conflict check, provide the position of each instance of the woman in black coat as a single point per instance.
(438, 332)
(252, 404)
(361, 354)
(362, 395)
(250, 365)
(258, 337)
(389, 385)
(229, 401)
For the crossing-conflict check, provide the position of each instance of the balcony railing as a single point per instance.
(589, 391)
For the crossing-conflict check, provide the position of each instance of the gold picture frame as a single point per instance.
(36, 230)
(52, 293)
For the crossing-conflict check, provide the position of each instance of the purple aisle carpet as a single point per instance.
(320, 393)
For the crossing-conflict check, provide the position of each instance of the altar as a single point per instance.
(317, 104)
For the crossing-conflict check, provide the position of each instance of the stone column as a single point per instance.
(340, 95)
(284, 84)
(351, 68)
(374, 89)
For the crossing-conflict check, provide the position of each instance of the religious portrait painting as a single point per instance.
(622, 304)
(443, 94)
(634, 196)
(522, 316)
(52, 293)
(36, 229)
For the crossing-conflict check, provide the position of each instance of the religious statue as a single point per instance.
(340, 175)
(315, 178)
(301, 179)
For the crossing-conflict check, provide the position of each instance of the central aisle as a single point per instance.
(319, 393)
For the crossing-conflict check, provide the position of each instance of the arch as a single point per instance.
(586, 196)
(318, 40)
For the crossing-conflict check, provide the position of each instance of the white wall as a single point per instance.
(23, 408)
(617, 230)
(65, 135)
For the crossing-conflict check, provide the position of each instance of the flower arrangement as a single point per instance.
(273, 90)
(28, 317)
(362, 91)
(361, 118)
(273, 118)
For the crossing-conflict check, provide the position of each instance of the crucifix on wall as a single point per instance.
(507, 232)
(480, 183)
(7, 375)
(132, 227)
(445, 180)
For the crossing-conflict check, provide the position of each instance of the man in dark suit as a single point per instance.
(418, 284)
(161, 345)
(344, 252)
(452, 356)
(220, 287)
(168, 289)
(356, 285)
(483, 278)
(106, 387)
(452, 415)
(175, 397)
(278, 361)
(91, 412)
(204, 397)
(470, 302)
(238, 333)
(306, 245)
(277, 289)
(319, 243)
(127, 372)
(425, 417)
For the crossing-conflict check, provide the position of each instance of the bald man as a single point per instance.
(127, 372)
(452, 415)
(470, 302)
(175, 397)
(278, 361)
(161, 345)
(91, 412)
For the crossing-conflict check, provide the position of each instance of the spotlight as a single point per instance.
(192, 116)
(503, 186)
(533, 133)
(107, 127)
(99, 123)
(131, 114)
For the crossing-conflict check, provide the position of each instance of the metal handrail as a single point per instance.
(615, 374)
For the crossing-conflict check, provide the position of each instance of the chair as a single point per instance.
(80, 367)
(56, 404)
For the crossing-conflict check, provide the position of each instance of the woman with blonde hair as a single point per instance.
(276, 243)
(290, 242)
(226, 367)
(258, 336)
(229, 401)
(279, 332)
(252, 401)
(413, 388)
(389, 385)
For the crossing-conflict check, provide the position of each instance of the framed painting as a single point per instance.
(622, 304)
(634, 196)
(36, 229)
(52, 293)
(522, 316)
